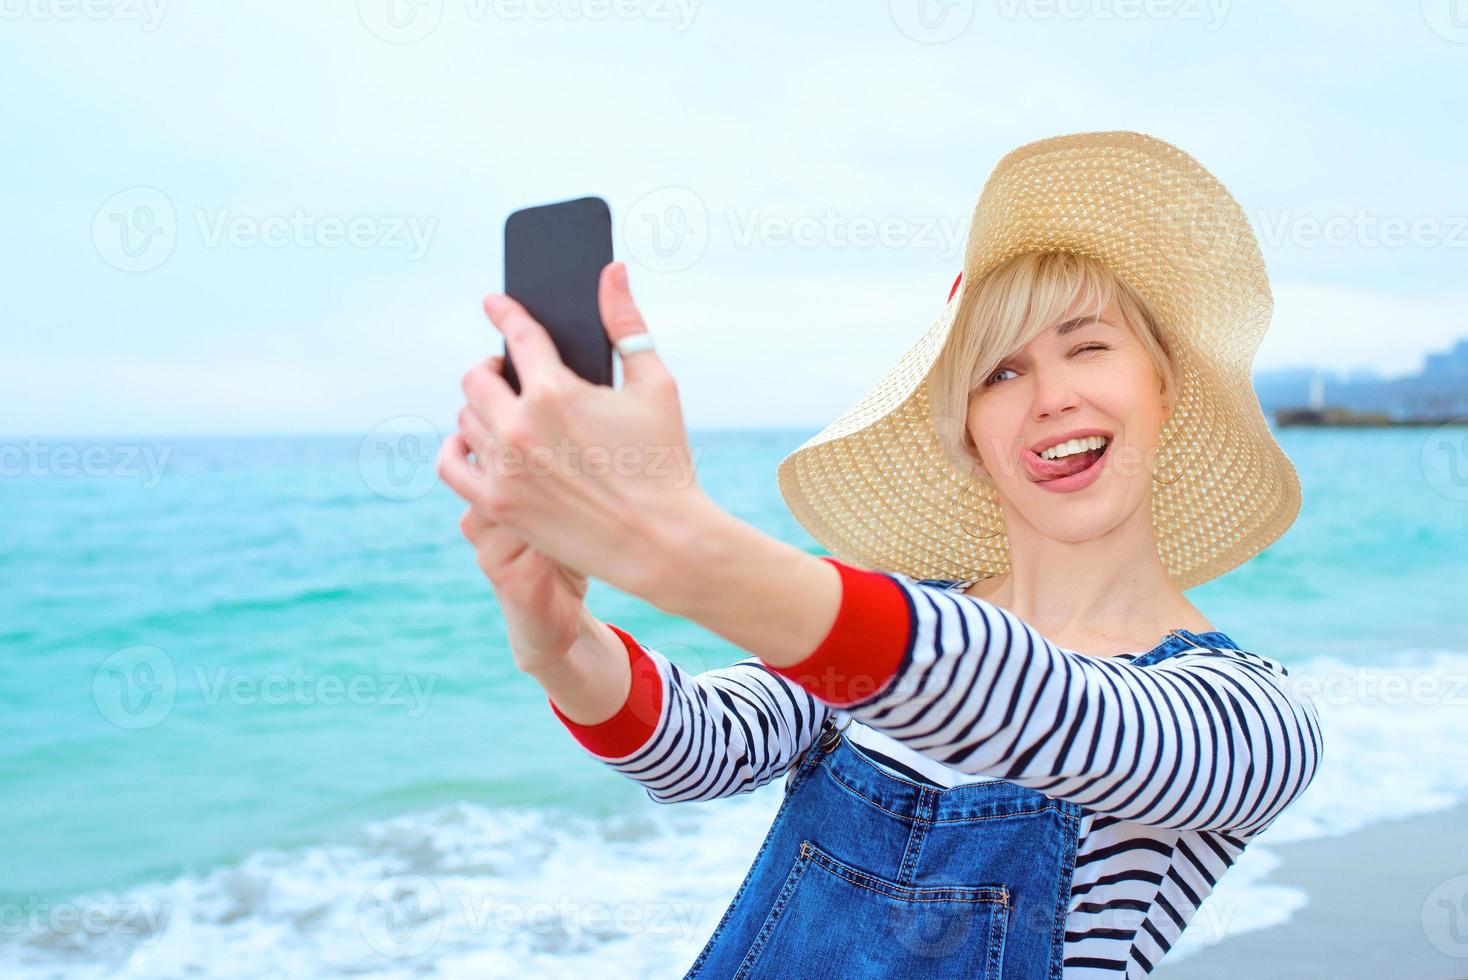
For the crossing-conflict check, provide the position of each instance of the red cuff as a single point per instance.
(633, 724)
(865, 647)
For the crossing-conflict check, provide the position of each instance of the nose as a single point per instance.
(1054, 394)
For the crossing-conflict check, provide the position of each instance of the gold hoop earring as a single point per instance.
(1166, 483)
(982, 537)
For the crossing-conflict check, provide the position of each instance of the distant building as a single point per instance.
(1452, 365)
(1439, 389)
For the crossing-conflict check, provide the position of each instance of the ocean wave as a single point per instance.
(473, 890)
(460, 891)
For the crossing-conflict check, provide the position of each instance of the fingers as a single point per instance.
(495, 547)
(620, 316)
(477, 434)
(535, 354)
(474, 525)
(488, 394)
(455, 470)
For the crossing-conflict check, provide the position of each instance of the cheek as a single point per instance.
(992, 430)
(1131, 391)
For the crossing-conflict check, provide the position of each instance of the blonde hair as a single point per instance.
(1010, 306)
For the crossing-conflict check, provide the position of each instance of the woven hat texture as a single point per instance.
(875, 488)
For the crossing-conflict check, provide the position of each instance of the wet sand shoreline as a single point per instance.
(1387, 901)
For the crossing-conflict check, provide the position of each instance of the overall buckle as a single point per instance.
(830, 734)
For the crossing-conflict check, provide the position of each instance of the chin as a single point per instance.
(1074, 518)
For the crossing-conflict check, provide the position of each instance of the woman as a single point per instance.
(995, 768)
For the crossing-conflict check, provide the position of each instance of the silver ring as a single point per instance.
(634, 343)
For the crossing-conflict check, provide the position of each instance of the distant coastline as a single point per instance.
(1337, 416)
(1436, 395)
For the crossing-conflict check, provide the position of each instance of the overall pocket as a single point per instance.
(832, 919)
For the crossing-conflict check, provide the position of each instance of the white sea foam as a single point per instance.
(460, 891)
(1393, 736)
(473, 891)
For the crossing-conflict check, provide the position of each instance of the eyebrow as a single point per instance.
(1075, 323)
(1069, 326)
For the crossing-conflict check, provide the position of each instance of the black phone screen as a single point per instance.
(554, 254)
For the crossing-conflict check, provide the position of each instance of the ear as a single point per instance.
(1166, 398)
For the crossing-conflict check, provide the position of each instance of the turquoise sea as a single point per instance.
(258, 717)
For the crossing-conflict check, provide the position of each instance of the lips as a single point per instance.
(1059, 437)
(1040, 470)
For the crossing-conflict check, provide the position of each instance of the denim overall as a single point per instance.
(865, 873)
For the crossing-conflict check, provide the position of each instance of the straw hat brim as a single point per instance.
(875, 487)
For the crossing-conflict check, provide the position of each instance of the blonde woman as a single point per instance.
(1012, 747)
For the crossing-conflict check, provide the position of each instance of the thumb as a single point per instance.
(621, 317)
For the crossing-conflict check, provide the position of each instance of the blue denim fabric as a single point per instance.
(866, 873)
(1181, 639)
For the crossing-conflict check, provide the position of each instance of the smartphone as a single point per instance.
(554, 254)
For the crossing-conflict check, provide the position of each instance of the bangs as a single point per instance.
(1010, 306)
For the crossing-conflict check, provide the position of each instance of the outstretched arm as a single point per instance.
(1208, 740)
(705, 736)
(1216, 741)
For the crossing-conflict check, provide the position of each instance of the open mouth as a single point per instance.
(1067, 459)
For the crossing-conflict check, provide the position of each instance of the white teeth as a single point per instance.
(1074, 446)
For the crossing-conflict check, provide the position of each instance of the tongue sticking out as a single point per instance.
(1053, 469)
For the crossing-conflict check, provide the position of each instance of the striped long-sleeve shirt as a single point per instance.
(1176, 765)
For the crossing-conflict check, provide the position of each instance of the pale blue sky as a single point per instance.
(215, 124)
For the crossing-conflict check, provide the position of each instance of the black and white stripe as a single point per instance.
(1178, 765)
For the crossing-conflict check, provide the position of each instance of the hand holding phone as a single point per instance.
(621, 469)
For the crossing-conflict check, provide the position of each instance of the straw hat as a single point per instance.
(875, 487)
